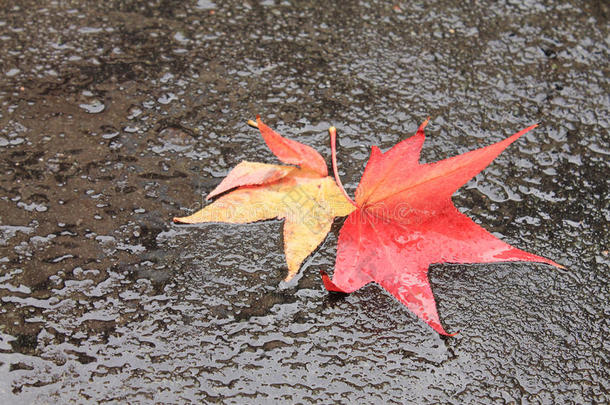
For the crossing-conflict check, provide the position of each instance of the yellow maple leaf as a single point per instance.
(306, 197)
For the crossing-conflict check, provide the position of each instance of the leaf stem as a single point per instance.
(333, 148)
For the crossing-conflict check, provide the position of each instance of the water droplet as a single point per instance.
(94, 107)
(204, 5)
(167, 98)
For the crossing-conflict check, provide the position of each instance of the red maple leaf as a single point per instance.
(405, 221)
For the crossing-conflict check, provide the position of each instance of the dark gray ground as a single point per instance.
(116, 116)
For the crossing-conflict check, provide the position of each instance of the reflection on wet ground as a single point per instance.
(117, 116)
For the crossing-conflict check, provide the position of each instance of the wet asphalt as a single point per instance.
(117, 116)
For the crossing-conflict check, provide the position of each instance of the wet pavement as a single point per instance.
(116, 116)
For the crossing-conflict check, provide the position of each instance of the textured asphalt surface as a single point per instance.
(117, 116)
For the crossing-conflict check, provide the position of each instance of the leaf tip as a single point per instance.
(552, 263)
(329, 285)
(420, 130)
(534, 126)
(438, 328)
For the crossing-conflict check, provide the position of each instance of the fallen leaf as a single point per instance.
(406, 221)
(306, 197)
